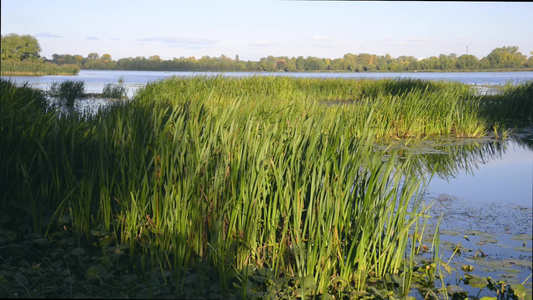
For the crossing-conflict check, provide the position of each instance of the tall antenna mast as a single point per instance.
(467, 47)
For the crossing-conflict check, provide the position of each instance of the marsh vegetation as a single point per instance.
(250, 187)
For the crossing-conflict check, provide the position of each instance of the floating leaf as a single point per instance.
(21, 279)
(7, 235)
(478, 282)
(519, 290)
(523, 249)
(481, 234)
(487, 241)
(448, 233)
(92, 272)
(77, 251)
(522, 237)
(41, 241)
(454, 289)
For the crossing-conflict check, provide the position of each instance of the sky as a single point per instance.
(253, 29)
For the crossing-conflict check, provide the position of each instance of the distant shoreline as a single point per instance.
(34, 74)
(281, 72)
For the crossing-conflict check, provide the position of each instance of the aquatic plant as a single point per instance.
(67, 91)
(115, 91)
(513, 105)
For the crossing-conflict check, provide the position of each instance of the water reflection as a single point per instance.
(481, 171)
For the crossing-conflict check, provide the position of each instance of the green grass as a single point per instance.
(249, 176)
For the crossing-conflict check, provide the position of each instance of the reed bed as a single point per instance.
(513, 105)
(255, 179)
(36, 68)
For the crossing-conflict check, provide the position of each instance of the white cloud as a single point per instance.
(263, 44)
(48, 35)
(92, 38)
(320, 38)
(179, 41)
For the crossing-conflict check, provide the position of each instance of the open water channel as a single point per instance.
(484, 195)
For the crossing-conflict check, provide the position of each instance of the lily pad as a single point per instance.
(481, 234)
(7, 235)
(523, 249)
(21, 279)
(449, 232)
(488, 241)
(519, 290)
(454, 289)
(77, 251)
(478, 282)
(523, 237)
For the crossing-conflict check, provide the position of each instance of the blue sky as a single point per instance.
(257, 28)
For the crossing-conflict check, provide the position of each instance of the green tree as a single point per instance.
(445, 62)
(301, 63)
(20, 47)
(315, 64)
(106, 58)
(506, 57)
(93, 56)
(467, 61)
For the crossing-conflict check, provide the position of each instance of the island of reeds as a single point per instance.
(253, 187)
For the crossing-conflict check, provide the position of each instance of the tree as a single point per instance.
(506, 57)
(445, 62)
(467, 61)
(20, 47)
(301, 63)
(106, 58)
(93, 56)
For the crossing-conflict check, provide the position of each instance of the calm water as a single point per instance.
(499, 178)
(485, 206)
(133, 80)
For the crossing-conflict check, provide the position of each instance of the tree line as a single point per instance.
(23, 53)
(500, 58)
